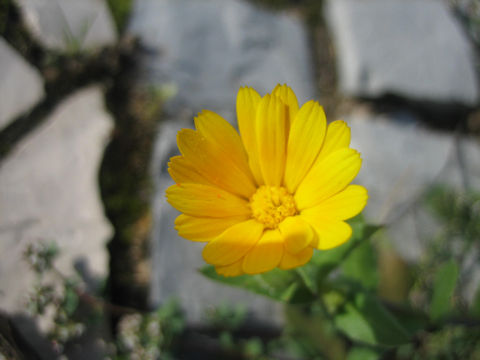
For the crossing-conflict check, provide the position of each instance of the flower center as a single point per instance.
(271, 204)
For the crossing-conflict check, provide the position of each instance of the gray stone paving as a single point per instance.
(21, 85)
(411, 48)
(50, 192)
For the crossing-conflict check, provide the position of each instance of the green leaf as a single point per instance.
(280, 285)
(361, 265)
(361, 353)
(443, 288)
(411, 319)
(366, 320)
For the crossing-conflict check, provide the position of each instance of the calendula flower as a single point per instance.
(268, 197)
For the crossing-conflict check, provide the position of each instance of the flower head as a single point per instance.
(268, 197)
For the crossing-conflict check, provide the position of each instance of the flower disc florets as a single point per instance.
(271, 204)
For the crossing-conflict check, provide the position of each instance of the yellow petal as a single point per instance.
(290, 261)
(304, 143)
(247, 102)
(287, 95)
(206, 201)
(234, 269)
(296, 233)
(218, 131)
(271, 139)
(182, 171)
(204, 229)
(265, 255)
(233, 243)
(330, 233)
(216, 166)
(344, 205)
(337, 137)
(328, 177)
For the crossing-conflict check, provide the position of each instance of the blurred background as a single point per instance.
(92, 94)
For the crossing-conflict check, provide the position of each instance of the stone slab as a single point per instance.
(69, 25)
(49, 192)
(209, 48)
(401, 160)
(411, 48)
(21, 85)
(177, 260)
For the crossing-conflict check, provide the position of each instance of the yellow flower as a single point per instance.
(268, 197)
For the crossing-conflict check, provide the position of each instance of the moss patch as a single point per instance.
(126, 185)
